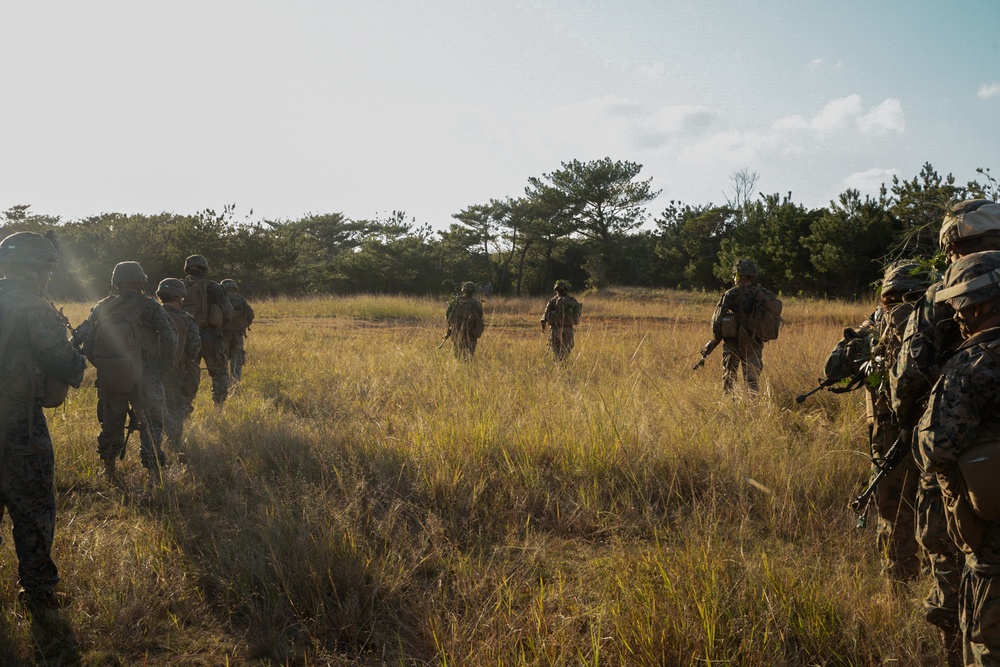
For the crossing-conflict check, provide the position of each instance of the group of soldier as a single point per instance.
(466, 321)
(147, 354)
(929, 360)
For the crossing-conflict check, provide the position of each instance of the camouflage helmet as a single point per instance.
(229, 283)
(28, 249)
(562, 286)
(903, 278)
(971, 279)
(128, 272)
(196, 261)
(468, 287)
(173, 288)
(967, 220)
(746, 268)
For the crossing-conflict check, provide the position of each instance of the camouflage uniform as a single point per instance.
(213, 346)
(560, 327)
(966, 397)
(235, 331)
(36, 349)
(743, 348)
(465, 334)
(147, 400)
(962, 413)
(177, 386)
(895, 496)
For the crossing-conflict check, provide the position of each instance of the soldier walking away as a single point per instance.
(207, 302)
(930, 338)
(561, 314)
(959, 442)
(180, 383)
(746, 317)
(235, 331)
(465, 322)
(37, 363)
(131, 342)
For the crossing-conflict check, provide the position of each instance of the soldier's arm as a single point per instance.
(193, 339)
(52, 351)
(161, 322)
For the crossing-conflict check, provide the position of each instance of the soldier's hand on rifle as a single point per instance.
(543, 324)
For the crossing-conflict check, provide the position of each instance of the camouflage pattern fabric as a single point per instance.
(465, 334)
(742, 350)
(178, 399)
(26, 453)
(560, 337)
(236, 353)
(213, 353)
(930, 336)
(964, 398)
(147, 400)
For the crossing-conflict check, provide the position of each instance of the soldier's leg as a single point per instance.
(567, 341)
(174, 410)
(730, 365)
(753, 364)
(112, 412)
(555, 342)
(149, 405)
(894, 504)
(27, 490)
(237, 356)
(945, 562)
(980, 617)
(213, 351)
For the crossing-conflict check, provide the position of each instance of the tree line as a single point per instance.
(586, 222)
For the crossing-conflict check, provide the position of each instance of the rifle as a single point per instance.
(896, 455)
(855, 382)
(446, 337)
(707, 350)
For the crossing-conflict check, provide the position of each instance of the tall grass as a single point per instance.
(364, 498)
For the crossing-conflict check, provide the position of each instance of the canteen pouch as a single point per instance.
(729, 326)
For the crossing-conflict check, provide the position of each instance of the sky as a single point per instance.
(363, 107)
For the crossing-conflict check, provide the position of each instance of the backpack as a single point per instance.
(242, 314)
(115, 349)
(466, 317)
(764, 320)
(196, 304)
(565, 312)
(180, 324)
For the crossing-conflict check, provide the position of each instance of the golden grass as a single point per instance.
(364, 498)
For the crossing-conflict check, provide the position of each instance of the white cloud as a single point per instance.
(988, 90)
(869, 181)
(814, 64)
(728, 148)
(848, 113)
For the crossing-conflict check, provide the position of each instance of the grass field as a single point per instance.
(365, 499)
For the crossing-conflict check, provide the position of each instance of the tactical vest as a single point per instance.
(196, 304)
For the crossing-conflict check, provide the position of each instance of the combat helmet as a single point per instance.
(969, 220)
(745, 268)
(903, 278)
(28, 249)
(562, 286)
(972, 279)
(229, 283)
(468, 287)
(128, 272)
(196, 261)
(173, 288)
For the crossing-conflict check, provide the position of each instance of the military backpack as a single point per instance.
(565, 312)
(466, 317)
(764, 319)
(197, 305)
(115, 348)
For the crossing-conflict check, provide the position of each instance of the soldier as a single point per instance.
(930, 337)
(180, 383)
(131, 342)
(959, 442)
(235, 331)
(207, 302)
(903, 284)
(465, 322)
(735, 324)
(34, 356)
(561, 314)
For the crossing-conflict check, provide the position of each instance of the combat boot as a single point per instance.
(109, 466)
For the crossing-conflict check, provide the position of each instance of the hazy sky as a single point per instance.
(428, 106)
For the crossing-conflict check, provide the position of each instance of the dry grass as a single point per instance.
(364, 498)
